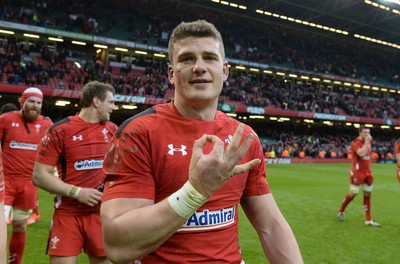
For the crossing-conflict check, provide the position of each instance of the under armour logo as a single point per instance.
(13, 124)
(75, 138)
(172, 150)
(54, 242)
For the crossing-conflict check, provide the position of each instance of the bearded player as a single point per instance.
(20, 133)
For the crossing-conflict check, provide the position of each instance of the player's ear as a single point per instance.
(170, 74)
(225, 70)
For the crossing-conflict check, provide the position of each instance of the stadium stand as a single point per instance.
(36, 63)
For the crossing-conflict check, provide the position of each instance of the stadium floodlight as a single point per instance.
(62, 103)
(78, 43)
(256, 117)
(100, 46)
(159, 55)
(140, 52)
(31, 35)
(56, 39)
(129, 107)
(121, 49)
(7, 32)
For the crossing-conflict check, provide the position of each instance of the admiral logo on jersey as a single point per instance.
(207, 220)
(88, 164)
(13, 124)
(23, 145)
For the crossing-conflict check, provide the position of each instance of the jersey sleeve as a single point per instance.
(257, 183)
(127, 164)
(51, 146)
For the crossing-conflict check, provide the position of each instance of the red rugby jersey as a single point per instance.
(360, 163)
(149, 158)
(2, 186)
(78, 149)
(20, 141)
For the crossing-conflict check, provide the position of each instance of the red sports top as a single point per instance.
(78, 149)
(149, 158)
(360, 163)
(20, 141)
(1, 178)
(397, 146)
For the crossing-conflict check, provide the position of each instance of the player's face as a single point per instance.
(198, 70)
(365, 133)
(106, 107)
(32, 108)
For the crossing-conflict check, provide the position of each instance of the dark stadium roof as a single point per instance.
(367, 18)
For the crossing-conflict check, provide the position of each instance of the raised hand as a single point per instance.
(207, 173)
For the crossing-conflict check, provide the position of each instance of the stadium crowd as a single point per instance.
(35, 64)
(269, 44)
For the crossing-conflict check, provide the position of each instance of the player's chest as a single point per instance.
(27, 132)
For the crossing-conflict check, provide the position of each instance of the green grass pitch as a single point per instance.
(309, 196)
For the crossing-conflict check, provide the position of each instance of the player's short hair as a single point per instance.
(8, 107)
(362, 127)
(198, 29)
(94, 89)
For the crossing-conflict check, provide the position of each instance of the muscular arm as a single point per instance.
(135, 227)
(43, 178)
(276, 236)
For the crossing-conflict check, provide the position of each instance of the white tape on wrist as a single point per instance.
(74, 191)
(186, 200)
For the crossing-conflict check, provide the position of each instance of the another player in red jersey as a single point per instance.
(360, 174)
(176, 173)
(20, 133)
(77, 145)
(397, 155)
(3, 227)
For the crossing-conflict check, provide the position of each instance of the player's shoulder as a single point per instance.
(144, 119)
(60, 123)
(229, 122)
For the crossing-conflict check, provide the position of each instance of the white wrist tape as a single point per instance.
(74, 191)
(186, 200)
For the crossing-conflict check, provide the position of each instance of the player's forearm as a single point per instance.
(139, 231)
(282, 246)
(43, 178)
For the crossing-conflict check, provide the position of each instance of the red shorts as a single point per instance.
(69, 234)
(361, 177)
(21, 194)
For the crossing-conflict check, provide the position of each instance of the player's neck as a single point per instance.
(197, 112)
(89, 115)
